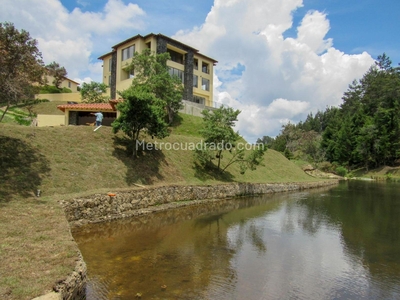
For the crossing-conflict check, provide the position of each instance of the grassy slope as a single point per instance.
(36, 247)
(74, 159)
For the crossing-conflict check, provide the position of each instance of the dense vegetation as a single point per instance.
(363, 132)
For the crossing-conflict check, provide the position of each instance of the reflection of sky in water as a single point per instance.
(296, 264)
(283, 247)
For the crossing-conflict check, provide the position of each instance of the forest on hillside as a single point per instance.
(363, 132)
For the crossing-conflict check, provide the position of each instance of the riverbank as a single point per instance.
(124, 204)
(37, 250)
(127, 204)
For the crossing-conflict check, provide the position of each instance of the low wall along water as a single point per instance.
(123, 204)
(138, 201)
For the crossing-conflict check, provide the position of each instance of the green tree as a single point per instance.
(152, 73)
(21, 66)
(140, 111)
(219, 137)
(93, 92)
(266, 140)
(59, 73)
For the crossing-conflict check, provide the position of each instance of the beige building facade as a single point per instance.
(67, 83)
(193, 68)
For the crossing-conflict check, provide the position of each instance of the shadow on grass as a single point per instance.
(143, 169)
(177, 121)
(211, 173)
(22, 169)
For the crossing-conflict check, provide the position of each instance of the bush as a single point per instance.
(288, 154)
(21, 120)
(341, 171)
(51, 89)
(326, 166)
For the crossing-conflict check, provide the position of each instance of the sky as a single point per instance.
(278, 60)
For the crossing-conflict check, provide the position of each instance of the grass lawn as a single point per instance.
(36, 247)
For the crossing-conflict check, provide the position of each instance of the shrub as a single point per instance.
(51, 89)
(341, 171)
(288, 154)
(325, 166)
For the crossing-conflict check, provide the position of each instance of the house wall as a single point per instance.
(107, 67)
(122, 81)
(50, 120)
(198, 91)
(194, 109)
(159, 44)
(67, 83)
(73, 97)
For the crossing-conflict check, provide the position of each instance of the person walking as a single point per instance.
(99, 118)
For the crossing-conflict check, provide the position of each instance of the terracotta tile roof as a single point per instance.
(114, 103)
(88, 106)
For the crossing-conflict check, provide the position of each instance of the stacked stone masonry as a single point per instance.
(122, 204)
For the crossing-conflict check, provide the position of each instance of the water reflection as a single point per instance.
(339, 243)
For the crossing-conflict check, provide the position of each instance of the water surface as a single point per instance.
(336, 243)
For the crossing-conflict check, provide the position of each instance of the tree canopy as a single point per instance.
(219, 138)
(21, 66)
(93, 92)
(58, 72)
(139, 111)
(152, 74)
(364, 131)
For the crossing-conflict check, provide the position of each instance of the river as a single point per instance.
(341, 242)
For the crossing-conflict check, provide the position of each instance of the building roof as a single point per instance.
(107, 54)
(115, 47)
(69, 79)
(105, 107)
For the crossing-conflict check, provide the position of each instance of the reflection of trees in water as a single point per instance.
(178, 248)
(368, 217)
(188, 249)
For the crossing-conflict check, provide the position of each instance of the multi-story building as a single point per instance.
(195, 69)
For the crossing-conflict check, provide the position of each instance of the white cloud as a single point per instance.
(70, 38)
(270, 78)
(283, 78)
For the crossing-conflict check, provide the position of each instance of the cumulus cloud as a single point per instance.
(70, 38)
(271, 78)
(283, 79)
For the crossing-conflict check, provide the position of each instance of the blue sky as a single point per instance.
(278, 60)
(367, 25)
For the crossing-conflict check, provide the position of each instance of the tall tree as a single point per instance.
(140, 111)
(152, 73)
(58, 72)
(219, 137)
(93, 92)
(21, 66)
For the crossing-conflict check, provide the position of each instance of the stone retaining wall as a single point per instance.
(74, 287)
(102, 207)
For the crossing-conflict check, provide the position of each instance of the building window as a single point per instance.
(69, 84)
(128, 52)
(205, 68)
(176, 72)
(205, 84)
(109, 65)
(128, 74)
(195, 81)
(175, 56)
(199, 100)
(196, 64)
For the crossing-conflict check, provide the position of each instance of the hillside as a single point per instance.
(74, 159)
(69, 161)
